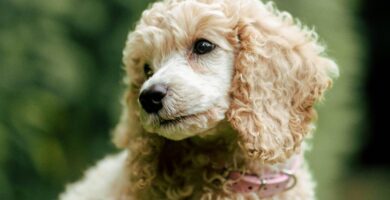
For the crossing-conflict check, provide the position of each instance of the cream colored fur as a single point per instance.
(246, 105)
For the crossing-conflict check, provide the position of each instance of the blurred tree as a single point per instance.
(370, 171)
(60, 72)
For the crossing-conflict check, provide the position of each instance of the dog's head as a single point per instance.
(193, 63)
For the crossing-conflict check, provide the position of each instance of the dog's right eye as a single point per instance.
(203, 46)
(148, 71)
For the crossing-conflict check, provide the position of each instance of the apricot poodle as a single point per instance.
(220, 99)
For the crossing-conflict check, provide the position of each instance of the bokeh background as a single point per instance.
(60, 86)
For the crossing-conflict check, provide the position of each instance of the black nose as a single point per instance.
(151, 98)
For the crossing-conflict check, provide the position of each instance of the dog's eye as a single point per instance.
(203, 46)
(148, 71)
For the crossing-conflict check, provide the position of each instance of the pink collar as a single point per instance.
(266, 184)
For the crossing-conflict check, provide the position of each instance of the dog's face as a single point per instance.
(181, 60)
(193, 62)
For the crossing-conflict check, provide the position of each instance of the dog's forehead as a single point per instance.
(164, 29)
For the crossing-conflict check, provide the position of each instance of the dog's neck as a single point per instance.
(218, 145)
(205, 160)
(248, 175)
(222, 132)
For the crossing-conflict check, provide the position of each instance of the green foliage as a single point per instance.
(60, 84)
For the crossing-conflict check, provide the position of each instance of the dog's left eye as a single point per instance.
(203, 46)
(148, 71)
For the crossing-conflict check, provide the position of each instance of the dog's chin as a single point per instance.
(181, 128)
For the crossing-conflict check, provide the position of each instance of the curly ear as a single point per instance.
(143, 147)
(279, 74)
(129, 125)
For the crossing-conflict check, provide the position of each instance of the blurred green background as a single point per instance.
(60, 86)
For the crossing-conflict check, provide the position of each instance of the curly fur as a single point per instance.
(259, 117)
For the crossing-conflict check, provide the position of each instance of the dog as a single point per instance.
(219, 102)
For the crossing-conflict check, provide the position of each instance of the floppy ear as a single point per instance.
(279, 74)
(143, 147)
(129, 124)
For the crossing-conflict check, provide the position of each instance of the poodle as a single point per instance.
(219, 102)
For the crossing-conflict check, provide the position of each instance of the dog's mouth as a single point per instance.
(180, 126)
(174, 121)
